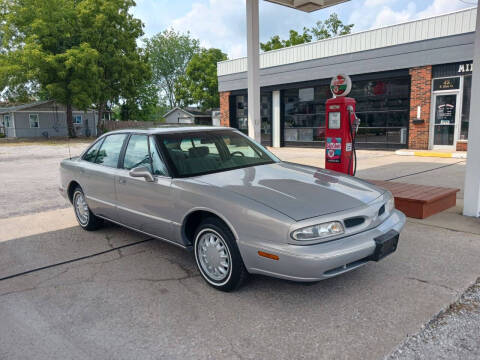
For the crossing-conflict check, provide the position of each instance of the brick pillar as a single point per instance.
(225, 108)
(420, 95)
(462, 145)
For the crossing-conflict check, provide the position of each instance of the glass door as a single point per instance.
(446, 114)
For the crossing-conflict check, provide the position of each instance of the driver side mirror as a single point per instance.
(142, 171)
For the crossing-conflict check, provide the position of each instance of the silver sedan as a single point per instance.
(237, 206)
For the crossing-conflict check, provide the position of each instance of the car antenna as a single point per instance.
(68, 144)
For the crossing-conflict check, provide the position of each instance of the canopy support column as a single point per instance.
(472, 175)
(253, 54)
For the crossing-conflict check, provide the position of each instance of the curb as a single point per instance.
(456, 155)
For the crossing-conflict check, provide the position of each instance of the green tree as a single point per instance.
(169, 53)
(112, 31)
(273, 44)
(199, 85)
(331, 27)
(78, 52)
(43, 45)
(142, 107)
(294, 39)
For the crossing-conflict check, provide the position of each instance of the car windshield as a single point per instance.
(194, 153)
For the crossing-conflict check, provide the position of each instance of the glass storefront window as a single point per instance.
(305, 114)
(467, 90)
(382, 105)
(266, 116)
(241, 114)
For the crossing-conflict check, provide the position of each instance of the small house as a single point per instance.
(44, 119)
(188, 116)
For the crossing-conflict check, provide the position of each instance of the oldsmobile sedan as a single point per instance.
(235, 204)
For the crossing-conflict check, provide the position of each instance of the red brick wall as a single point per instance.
(225, 108)
(420, 95)
(462, 145)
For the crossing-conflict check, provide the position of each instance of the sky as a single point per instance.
(222, 23)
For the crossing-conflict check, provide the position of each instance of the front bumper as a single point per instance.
(320, 261)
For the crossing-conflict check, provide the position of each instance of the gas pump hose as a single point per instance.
(353, 145)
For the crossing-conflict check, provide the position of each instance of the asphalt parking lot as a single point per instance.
(115, 294)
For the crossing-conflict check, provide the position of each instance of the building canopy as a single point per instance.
(307, 5)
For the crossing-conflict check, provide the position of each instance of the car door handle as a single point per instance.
(122, 181)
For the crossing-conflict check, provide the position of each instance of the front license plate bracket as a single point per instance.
(385, 245)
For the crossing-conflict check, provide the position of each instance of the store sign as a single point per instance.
(465, 68)
(452, 83)
(452, 69)
(341, 85)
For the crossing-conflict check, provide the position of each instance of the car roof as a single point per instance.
(171, 129)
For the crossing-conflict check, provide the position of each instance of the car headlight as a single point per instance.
(390, 205)
(319, 231)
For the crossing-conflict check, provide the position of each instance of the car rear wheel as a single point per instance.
(217, 256)
(86, 219)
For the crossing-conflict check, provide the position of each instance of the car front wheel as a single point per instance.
(86, 219)
(217, 256)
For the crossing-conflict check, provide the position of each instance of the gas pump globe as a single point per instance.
(341, 127)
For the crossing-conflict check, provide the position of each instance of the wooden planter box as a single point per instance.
(419, 201)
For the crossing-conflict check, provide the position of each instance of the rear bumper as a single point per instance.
(320, 261)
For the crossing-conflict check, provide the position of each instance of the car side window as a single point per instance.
(92, 152)
(136, 153)
(110, 150)
(158, 166)
(194, 154)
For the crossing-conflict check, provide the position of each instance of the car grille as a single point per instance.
(381, 210)
(354, 221)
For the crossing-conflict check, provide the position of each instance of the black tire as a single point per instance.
(237, 273)
(89, 222)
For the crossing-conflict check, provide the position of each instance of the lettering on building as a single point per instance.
(463, 68)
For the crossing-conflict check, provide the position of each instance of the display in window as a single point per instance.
(383, 105)
(306, 94)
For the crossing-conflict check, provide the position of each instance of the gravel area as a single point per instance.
(29, 176)
(453, 334)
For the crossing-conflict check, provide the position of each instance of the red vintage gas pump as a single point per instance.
(341, 125)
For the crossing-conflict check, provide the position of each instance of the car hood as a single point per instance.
(297, 191)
